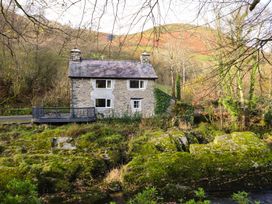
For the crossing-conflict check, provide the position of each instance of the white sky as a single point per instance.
(79, 13)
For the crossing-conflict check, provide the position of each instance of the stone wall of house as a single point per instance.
(84, 94)
(81, 93)
(122, 98)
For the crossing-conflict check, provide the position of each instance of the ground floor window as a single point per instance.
(136, 105)
(103, 103)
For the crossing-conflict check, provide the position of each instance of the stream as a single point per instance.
(265, 197)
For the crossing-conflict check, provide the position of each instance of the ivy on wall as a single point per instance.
(162, 101)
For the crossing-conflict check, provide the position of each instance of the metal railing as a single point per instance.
(59, 114)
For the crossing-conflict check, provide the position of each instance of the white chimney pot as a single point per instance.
(75, 54)
(145, 57)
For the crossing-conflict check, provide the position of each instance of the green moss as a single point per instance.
(76, 130)
(155, 158)
(151, 142)
(7, 174)
(228, 157)
(237, 142)
(57, 173)
(207, 132)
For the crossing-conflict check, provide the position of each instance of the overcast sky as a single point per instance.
(81, 13)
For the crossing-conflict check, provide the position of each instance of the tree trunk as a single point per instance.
(252, 82)
(241, 98)
(173, 80)
(183, 76)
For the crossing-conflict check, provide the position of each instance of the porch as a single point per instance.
(63, 115)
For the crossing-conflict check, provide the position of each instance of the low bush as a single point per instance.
(19, 192)
(242, 197)
(184, 112)
(148, 196)
(200, 198)
(268, 116)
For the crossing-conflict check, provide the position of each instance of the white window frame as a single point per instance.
(106, 102)
(143, 81)
(106, 80)
(139, 109)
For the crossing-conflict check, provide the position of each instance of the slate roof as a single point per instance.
(111, 69)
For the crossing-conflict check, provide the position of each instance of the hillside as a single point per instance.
(192, 38)
(34, 66)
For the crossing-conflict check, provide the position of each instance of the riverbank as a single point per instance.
(91, 162)
(265, 197)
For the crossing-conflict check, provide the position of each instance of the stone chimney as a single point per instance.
(75, 54)
(145, 57)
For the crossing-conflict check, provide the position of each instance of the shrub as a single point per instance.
(148, 196)
(21, 192)
(184, 112)
(126, 118)
(158, 121)
(200, 198)
(242, 197)
(268, 117)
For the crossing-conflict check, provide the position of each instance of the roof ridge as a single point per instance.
(109, 60)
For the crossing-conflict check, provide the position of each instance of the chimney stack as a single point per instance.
(145, 58)
(75, 54)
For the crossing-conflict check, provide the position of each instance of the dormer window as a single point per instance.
(136, 84)
(103, 84)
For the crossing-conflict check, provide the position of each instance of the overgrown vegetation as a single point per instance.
(163, 101)
(166, 163)
(19, 192)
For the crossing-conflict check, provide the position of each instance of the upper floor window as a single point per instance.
(136, 84)
(102, 83)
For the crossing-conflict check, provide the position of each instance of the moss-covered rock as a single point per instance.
(207, 132)
(236, 142)
(153, 142)
(230, 161)
(99, 147)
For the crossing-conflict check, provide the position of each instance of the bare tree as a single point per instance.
(147, 11)
(237, 80)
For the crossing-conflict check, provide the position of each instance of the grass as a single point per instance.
(164, 88)
(15, 111)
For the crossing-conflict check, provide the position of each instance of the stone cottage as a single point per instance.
(114, 88)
